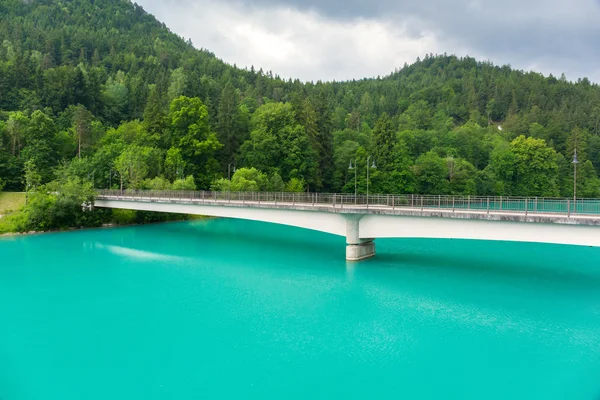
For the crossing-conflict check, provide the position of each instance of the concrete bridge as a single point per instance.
(362, 219)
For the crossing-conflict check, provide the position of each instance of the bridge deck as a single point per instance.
(540, 210)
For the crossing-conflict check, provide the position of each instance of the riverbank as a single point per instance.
(105, 226)
(47, 212)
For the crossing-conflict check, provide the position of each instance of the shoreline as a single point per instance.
(103, 226)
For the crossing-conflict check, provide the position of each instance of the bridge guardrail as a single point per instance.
(496, 204)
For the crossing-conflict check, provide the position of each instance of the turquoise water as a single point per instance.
(245, 310)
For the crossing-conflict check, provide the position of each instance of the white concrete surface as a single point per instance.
(315, 220)
(359, 252)
(389, 226)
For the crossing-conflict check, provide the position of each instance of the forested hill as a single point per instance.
(100, 90)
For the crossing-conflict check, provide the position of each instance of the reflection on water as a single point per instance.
(238, 309)
(139, 254)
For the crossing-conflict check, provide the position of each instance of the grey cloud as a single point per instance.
(514, 31)
(552, 36)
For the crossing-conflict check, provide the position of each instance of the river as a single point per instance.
(234, 309)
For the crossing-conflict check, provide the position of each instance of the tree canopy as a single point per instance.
(103, 90)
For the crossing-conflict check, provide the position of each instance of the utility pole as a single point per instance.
(229, 174)
(374, 167)
(575, 162)
(355, 168)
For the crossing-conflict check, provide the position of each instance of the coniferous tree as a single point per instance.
(229, 127)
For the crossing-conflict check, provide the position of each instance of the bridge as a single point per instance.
(362, 219)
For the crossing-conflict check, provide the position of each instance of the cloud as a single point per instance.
(352, 39)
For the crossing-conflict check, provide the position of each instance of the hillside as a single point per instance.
(107, 93)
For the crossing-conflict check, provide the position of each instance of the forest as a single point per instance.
(100, 94)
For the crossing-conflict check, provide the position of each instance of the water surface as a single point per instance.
(239, 309)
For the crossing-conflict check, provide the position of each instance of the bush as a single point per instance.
(295, 185)
(158, 183)
(123, 217)
(276, 183)
(9, 223)
(184, 184)
(59, 205)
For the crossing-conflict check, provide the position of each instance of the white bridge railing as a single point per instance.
(497, 204)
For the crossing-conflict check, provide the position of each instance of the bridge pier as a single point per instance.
(357, 249)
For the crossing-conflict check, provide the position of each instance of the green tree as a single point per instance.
(230, 126)
(132, 166)
(174, 164)
(324, 149)
(396, 176)
(536, 168)
(16, 127)
(588, 184)
(527, 167)
(59, 205)
(462, 176)
(185, 184)
(384, 140)
(431, 172)
(243, 180)
(278, 143)
(32, 177)
(116, 99)
(178, 84)
(39, 149)
(295, 185)
(155, 118)
(157, 183)
(190, 132)
(82, 127)
(275, 183)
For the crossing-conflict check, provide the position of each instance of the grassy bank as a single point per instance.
(11, 201)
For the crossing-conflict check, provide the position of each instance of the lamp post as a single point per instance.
(92, 175)
(575, 162)
(355, 168)
(374, 167)
(229, 175)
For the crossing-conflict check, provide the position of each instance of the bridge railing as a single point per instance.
(496, 204)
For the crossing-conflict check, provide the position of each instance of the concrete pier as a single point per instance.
(362, 251)
(357, 249)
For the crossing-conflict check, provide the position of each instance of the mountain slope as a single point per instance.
(76, 75)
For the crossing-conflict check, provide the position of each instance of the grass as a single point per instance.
(11, 201)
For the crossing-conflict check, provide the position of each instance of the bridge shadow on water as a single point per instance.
(260, 239)
(554, 266)
(560, 265)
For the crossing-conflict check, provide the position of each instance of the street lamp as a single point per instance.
(575, 162)
(229, 175)
(374, 167)
(355, 168)
(92, 175)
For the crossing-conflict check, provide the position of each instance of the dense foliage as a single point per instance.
(109, 94)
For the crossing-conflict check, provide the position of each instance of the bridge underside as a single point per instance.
(360, 230)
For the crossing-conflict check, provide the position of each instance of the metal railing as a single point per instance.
(497, 204)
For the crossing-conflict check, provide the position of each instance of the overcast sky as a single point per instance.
(352, 39)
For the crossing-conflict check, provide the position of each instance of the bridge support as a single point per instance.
(357, 249)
